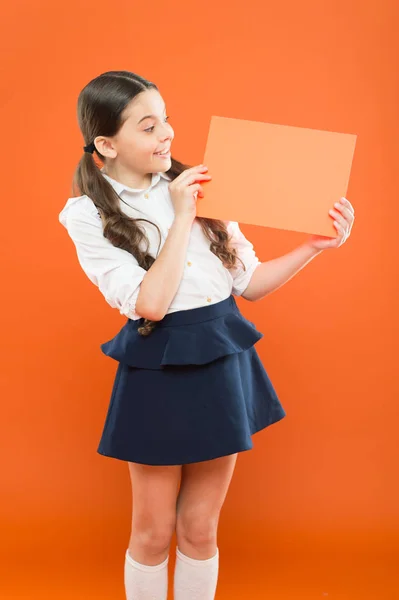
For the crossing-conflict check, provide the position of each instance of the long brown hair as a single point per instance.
(100, 111)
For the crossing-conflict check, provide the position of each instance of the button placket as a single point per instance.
(153, 219)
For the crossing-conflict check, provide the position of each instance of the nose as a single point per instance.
(166, 136)
(168, 132)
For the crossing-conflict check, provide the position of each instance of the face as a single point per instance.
(144, 133)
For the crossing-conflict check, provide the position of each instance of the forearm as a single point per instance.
(272, 274)
(162, 280)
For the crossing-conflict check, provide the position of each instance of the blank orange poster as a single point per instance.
(275, 175)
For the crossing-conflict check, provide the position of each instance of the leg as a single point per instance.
(153, 523)
(203, 489)
(154, 491)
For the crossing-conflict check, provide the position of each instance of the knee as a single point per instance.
(197, 531)
(153, 538)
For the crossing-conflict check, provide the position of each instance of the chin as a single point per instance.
(164, 165)
(167, 166)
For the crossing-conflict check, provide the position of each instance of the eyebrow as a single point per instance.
(150, 116)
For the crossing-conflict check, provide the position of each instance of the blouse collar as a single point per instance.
(120, 187)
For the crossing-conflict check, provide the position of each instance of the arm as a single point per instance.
(124, 284)
(113, 270)
(160, 284)
(272, 274)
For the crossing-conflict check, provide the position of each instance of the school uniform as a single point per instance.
(194, 389)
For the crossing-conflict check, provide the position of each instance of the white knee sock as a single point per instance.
(195, 579)
(145, 582)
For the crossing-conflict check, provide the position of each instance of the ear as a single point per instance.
(105, 146)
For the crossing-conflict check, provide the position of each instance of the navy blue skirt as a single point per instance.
(194, 389)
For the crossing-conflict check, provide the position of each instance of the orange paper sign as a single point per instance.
(275, 175)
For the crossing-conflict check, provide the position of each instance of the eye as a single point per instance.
(150, 129)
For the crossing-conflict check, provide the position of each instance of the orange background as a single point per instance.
(313, 509)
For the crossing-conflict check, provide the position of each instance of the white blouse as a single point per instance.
(116, 272)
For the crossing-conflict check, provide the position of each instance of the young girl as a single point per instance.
(190, 389)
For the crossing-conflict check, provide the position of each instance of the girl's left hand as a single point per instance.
(344, 216)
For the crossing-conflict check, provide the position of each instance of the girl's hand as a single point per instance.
(184, 190)
(344, 215)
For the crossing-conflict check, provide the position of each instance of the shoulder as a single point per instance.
(232, 227)
(79, 209)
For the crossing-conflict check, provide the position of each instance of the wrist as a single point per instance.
(184, 219)
(310, 250)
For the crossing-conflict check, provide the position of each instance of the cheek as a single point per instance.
(146, 146)
(133, 146)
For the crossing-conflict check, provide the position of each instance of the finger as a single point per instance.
(345, 211)
(193, 171)
(334, 242)
(347, 205)
(341, 232)
(338, 217)
(346, 219)
(201, 176)
(196, 188)
(195, 168)
(198, 168)
(198, 177)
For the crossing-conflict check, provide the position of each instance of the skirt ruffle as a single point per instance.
(188, 342)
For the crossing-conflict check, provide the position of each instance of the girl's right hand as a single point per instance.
(184, 190)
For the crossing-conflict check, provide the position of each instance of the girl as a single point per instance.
(189, 390)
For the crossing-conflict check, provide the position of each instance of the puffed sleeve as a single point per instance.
(246, 252)
(113, 270)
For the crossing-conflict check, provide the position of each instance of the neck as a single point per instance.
(140, 181)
